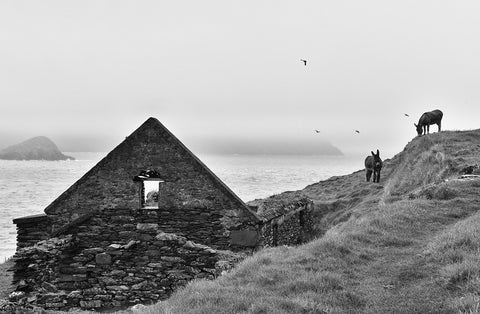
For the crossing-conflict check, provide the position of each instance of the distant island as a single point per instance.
(264, 146)
(36, 148)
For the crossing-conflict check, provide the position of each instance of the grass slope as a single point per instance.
(6, 278)
(407, 245)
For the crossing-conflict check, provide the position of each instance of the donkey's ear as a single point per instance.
(415, 124)
(373, 154)
(378, 153)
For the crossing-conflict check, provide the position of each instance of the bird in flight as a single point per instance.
(304, 62)
(357, 131)
(406, 115)
(317, 131)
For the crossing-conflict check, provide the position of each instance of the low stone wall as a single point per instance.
(292, 228)
(115, 258)
(32, 229)
(61, 273)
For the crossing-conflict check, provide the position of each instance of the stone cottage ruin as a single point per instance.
(106, 242)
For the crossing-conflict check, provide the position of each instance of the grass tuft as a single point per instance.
(462, 272)
(468, 304)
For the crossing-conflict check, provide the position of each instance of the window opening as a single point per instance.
(150, 183)
(151, 193)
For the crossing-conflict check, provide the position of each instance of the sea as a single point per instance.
(27, 187)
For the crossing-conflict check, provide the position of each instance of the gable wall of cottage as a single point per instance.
(192, 202)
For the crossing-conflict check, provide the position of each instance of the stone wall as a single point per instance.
(187, 210)
(193, 202)
(291, 228)
(115, 258)
(101, 266)
(32, 229)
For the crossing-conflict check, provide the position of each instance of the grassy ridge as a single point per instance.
(408, 245)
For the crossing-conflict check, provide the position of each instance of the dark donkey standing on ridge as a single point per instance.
(373, 164)
(428, 118)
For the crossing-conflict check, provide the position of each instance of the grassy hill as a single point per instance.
(407, 245)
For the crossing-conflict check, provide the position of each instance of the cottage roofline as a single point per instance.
(149, 123)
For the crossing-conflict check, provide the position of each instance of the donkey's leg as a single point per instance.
(439, 126)
(369, 175)
(428, 128)
(378, 176)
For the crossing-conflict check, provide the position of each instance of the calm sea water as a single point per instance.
(27, 187)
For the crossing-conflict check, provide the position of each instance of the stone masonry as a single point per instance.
(98, 246)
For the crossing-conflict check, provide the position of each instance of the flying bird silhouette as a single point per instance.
(357, 131)
(406, 115)
(317, 131)
(304, 62)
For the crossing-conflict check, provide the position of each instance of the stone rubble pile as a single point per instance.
(58, 274)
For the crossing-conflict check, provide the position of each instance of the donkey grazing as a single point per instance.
(373, 164)
(428, 118)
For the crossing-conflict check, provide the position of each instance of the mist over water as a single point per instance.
(87, 73)
(27, 187)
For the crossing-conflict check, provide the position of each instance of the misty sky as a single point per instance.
(88, 73)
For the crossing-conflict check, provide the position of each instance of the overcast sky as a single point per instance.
(88, 73)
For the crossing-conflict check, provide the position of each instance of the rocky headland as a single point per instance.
(36, 148)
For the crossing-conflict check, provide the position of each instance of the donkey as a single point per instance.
(428, 118)
(373, 164)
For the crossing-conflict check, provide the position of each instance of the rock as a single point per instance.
(156, 265)
(117, 273)
(76, 294)
(108, 281)
(162, 236)
(94, 250)
(140, 286)
(91, 304)
(103, 259)
(79, 277)
(190, 245)
(126, 234)
(49, 287)
(118, 288)
(147, 227)
(198, 247)
(103, 297)
(172, 259)
(16, 295)
(37, 148)
(114, 246)
(139, 308)
(93, 291)
(130, 244)
(145, 237)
